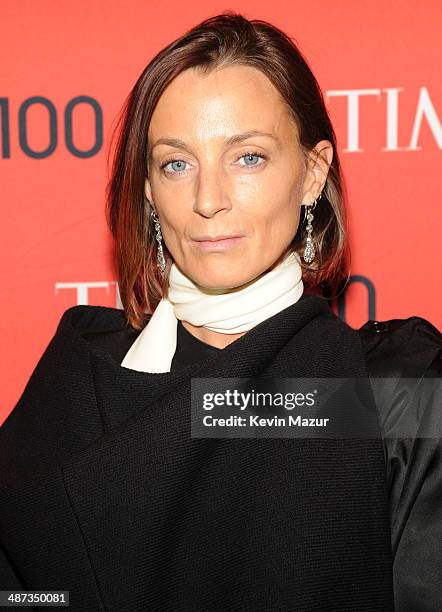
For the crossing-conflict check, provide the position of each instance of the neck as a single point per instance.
(210, 337)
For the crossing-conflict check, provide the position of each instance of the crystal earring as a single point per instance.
(309, 251)
(161, 262)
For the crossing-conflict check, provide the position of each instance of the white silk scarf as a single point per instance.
(227, 311)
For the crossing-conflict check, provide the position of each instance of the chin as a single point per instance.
(222, 277)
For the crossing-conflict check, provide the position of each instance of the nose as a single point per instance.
(211, 193)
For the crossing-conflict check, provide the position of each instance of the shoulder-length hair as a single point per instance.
(224, 40)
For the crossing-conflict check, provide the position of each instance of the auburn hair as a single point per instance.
(223, 40)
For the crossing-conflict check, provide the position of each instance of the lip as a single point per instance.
(217, 238)
(217, 243)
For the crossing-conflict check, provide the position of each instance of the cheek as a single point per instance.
(173, 234)
(170, 231)
(281, 216)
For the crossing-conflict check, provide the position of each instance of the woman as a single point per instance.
(104, 491)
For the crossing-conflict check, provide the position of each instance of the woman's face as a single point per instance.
(209, 175)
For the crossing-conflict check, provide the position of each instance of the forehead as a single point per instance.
(217, 104)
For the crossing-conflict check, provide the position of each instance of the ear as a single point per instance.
(318, 165)
(148, 190)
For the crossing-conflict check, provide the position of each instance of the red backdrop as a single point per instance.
(66, 70)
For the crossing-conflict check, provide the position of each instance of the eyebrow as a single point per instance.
(235, 139)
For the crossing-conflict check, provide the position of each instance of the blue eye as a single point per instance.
(180, 163)
(251, 157)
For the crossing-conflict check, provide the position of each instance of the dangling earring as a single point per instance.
(161, 262)
(309, 251)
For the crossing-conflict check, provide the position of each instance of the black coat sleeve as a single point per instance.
(9, 574)
(56, 414)
(55, 417)
(407, 354)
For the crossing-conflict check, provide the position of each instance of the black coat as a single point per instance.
(104, 493)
